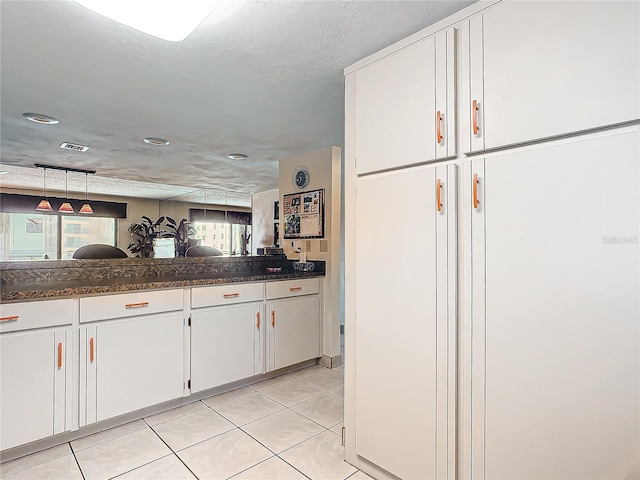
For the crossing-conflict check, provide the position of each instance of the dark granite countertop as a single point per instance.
(22, 282)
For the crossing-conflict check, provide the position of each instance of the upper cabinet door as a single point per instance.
(395, 109)
(445, 94)
(546, 72)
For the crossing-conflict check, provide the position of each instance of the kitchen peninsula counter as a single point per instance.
(23, 281)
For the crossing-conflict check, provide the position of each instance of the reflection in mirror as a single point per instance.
(216, 223)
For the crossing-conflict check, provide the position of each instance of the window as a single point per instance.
(27, 236)
(79, 231)
(233, 227)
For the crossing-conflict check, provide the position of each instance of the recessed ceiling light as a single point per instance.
(158, 142)
(173, 21)
(3, 172)
(237, 156)
(40, 118)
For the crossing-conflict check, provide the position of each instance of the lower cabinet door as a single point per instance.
(131, 364)
(33, 386)
(294, 331)
(225, 345)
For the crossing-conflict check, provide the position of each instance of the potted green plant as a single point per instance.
(143, 233)
(181, 232)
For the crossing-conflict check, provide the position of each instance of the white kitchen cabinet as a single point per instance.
(405, 106)
(552, 366)
(293, 322)
(226, 344)
(529, 73)
(129, 364)
(405, 324)
(35, 381)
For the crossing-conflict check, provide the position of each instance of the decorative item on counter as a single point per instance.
(146, 231)
(270, 251)
(304, 266)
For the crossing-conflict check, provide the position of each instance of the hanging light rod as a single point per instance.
(64, 169)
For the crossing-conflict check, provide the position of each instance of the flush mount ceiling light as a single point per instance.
(158, 142)
(237, 156)
(173, 21)
(40, 118)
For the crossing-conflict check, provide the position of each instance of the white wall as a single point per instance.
(325, 171)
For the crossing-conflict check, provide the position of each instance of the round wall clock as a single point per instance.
(301, 177)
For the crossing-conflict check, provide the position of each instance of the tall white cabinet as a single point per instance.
(552, 325)
(496, 334)
(406, 320)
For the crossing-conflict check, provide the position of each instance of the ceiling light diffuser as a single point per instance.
(169, 20)
(237, 156)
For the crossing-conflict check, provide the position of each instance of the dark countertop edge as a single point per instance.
(36, 293)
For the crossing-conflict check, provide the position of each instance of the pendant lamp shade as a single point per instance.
(44, 205)
(86, 208)
(66, 206)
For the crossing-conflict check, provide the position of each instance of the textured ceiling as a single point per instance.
(262, 78)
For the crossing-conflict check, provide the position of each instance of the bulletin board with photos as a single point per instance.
(303, 214)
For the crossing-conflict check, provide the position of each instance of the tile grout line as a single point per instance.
(171, 450)
(73, 452)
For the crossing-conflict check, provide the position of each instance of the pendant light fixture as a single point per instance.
(86, 207)
(44, 205)
(66, 206)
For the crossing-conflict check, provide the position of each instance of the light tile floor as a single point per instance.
(288, 427)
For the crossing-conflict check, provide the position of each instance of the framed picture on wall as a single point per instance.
(303, 214)
(276, 210)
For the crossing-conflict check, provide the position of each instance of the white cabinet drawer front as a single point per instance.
(292, 288)
(45, 313)
(129, 304)
(226, 294)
